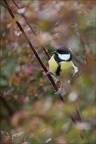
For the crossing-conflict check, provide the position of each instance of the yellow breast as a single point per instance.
(53, 65)
(67, 68)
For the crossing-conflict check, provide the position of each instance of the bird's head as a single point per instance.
(63, 54)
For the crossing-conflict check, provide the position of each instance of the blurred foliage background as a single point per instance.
(30, 111)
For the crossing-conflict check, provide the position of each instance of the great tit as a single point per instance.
(61, 64)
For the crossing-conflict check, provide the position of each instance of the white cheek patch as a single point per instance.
(64, 56)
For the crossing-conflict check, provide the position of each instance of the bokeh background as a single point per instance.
(30, 111)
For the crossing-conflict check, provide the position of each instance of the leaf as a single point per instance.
(3, 82)
(7, 68)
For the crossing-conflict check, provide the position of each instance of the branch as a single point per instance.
(26, 19)
(2, 116)
(7, 105)
(83, 45)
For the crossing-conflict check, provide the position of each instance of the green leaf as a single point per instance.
(7, 68)
(3, 82)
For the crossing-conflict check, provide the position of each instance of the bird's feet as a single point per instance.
(55, 79)
(49, 73)
(61, 91)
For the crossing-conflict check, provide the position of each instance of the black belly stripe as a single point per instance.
(58, 70)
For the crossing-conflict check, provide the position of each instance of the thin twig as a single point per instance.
(7, 105)
(78, 114)
(26, 19)
(5, 117)
(83, 44)
(46, 52)
(15, 3)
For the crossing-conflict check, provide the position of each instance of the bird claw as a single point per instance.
(59, 91)
(56, 80)
(48, 73)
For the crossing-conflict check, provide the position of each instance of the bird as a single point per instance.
(62, 66)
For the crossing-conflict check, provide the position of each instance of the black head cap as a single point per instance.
(63, 50)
